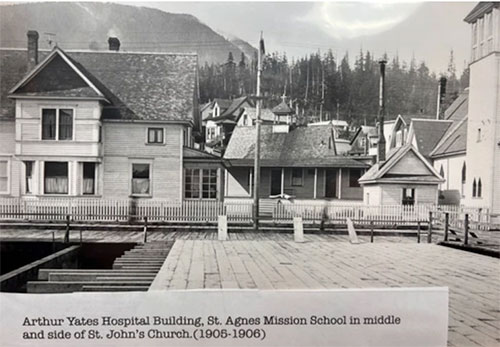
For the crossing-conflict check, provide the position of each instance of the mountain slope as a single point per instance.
(88, 26)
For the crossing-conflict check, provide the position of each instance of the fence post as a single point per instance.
(66, 234)
(446, 225)
(429, 231)
(418, 232)
(371, 231)
(298, 229)
(222, 228)
(145, 229)
(466, 229)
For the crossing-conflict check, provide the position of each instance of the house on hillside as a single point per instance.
(218, 129)
(482, 182)
(364, 141)
(405, 178)
(111, 125)
(301, 162)
(448, 156)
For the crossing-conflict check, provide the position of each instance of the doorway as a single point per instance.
(275, 181)
(331, 183)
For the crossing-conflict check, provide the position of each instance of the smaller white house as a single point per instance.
(405, 178)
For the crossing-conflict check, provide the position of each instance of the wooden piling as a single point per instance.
(371, 231)
(418, 232)
(66, 234)
(466, 229)
(145, 229)
(429, 230)
(446, 225)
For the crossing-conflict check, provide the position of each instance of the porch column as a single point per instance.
(282, 180)
(315, 183)
(340, 183)
(250, 177)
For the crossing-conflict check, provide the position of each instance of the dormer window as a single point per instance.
(57, 124)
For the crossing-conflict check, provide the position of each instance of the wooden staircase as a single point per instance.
(135, 270)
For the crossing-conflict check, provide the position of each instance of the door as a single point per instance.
(275, 181)
(331, 183)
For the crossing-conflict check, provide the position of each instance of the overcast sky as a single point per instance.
(427, 30)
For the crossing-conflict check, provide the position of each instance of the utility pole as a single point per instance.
(256, 171)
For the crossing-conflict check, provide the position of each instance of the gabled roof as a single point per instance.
(407, 118)
(382, 173)
(480, 9)
(282, 109)
(266, 114)
(223, 103)
(454, 142)
(300, 147)
(138, 86)
(459, 108)
(235, 106)
(192, 154)
(427, 133)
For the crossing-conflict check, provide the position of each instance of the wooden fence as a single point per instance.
(106, 210)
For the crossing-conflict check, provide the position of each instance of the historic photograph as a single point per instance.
(156, 146)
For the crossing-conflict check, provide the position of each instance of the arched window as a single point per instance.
(479, 188)
(464, 173)
(474, 188)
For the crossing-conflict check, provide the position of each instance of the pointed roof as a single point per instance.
(282, 109)
(134, 86)
(396, 170)
(427, 133)
(454, 142)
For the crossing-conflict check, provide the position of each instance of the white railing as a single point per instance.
(199, 211)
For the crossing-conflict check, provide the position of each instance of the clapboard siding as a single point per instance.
(392, 194)
(125, 144)
(7, 134)
(85, 135)
(410, 163)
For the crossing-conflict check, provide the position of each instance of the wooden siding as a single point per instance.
(410, 164)
(7, 135)
(125, 143)
(392, 194)
(85, 129)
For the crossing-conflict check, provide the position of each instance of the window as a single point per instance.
(140, 179)
(474, 186)
(29, 177)
(155, 135)
(200, 183)
(88, 178)
(57, 124)
(56, 177)
(210, 133)
(297, 177)
(408, 196)
(48, 124)
(479, 188)
(354, 176)
(4, 176)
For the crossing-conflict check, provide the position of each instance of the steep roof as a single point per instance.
(459, 108)
(282, 109)
(428, 133)
(454, 142)
(407, 118)
(302, 146)
(265, 114)
(396, 170)
(223, 103)
(138, 86)
(480, 9)
(235, 106)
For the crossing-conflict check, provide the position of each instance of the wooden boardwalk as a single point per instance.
(474, 280)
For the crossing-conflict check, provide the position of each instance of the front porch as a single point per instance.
(310, 183)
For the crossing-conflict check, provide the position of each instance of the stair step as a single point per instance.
(69, 287)
(124, 279)
(128, 257)
(136, 267)
(95, 276)
(43, 274)
(92, 288)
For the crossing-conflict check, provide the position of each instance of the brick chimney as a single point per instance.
(381, 114)
(114, 44)
(32, 49)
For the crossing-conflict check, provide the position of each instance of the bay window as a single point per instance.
(56, 177)
(57, 124)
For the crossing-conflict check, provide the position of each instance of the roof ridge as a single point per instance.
(445, 138)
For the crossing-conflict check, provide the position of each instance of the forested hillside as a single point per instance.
(325, 88)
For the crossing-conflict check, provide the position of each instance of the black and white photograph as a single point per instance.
(249, 173)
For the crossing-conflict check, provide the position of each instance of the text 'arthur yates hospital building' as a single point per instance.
(104, 124)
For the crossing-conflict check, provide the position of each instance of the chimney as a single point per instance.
(381, 113)
(114, 44)
(441, 94)
(32, 49)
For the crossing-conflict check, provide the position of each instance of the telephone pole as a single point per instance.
(256, 170)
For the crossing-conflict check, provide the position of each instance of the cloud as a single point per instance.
(343, 20)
